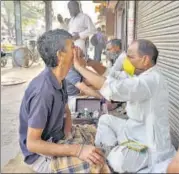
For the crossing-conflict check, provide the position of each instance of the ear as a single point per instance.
(60, 57)
(146, 60)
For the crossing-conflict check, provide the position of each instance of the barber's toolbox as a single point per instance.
(87, 111)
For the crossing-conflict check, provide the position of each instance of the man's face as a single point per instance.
(112, 51)
(60, 19)
(141, 63)
(66, 56)
(73, 8)
(113, 48)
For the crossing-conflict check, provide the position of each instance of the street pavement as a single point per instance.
(10, 103)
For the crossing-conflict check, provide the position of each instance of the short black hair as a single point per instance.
(116, 42)
(146, 47)
(75, 2)
(98, 29)
(49, 43)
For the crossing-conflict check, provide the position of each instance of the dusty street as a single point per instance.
(10, 102)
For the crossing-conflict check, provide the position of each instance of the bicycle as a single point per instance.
(26, 56)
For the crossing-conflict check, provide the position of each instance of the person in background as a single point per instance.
(174, 165)
(45, 118)
(100, 44)
(136, 143)
(67, 20)
(61, 23)
(78, 86)
(103, 29)
(80, 26)
(113, 50)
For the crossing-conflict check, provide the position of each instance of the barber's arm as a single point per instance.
(76, 79)
(126, 89)
(94, 79)
(88, 90)
(97, 66)
(102, 70)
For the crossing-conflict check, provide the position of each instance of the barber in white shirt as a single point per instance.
(80, 25)
(147, 99)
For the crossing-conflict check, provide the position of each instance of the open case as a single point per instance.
(92, 105)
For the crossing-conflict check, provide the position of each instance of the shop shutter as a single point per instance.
(158, 21)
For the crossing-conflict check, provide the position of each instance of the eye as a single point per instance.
(130, 57)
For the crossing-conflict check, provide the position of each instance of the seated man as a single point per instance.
(147, 125)
(174, 165)
(78, 86)
(44, 105)
(113, 50)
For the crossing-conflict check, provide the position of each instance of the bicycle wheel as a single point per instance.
(22, 57)
(36, 56)
(3, 62)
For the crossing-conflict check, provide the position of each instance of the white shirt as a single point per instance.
(83, 25)
(147, 108)
(60, 26)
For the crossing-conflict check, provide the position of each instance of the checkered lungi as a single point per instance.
(81, 134)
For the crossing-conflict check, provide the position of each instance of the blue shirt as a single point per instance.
(72, 78)
(42, 107)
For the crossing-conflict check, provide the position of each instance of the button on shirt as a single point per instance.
(147, 108)
(83, 25)
(42, 107)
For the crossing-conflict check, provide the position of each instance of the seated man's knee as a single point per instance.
(115, 159)
(122, 159)
(104, 119)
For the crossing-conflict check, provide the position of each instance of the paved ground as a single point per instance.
(10, 102)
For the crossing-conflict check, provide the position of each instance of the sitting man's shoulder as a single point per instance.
(73, 76)
(40, 85)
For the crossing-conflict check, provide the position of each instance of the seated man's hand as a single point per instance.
(92, 155)
(77, 59)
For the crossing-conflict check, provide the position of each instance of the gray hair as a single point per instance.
(115, 42)
(50, 43)
(146, 47)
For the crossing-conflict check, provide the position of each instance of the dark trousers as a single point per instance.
(97, 53)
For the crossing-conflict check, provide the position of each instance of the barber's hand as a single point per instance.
(92, 155)
(78, 61)
(75, 36)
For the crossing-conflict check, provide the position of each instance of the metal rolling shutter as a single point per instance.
(158, 21)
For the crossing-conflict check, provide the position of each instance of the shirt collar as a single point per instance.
(150, 69)
(53, 79)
